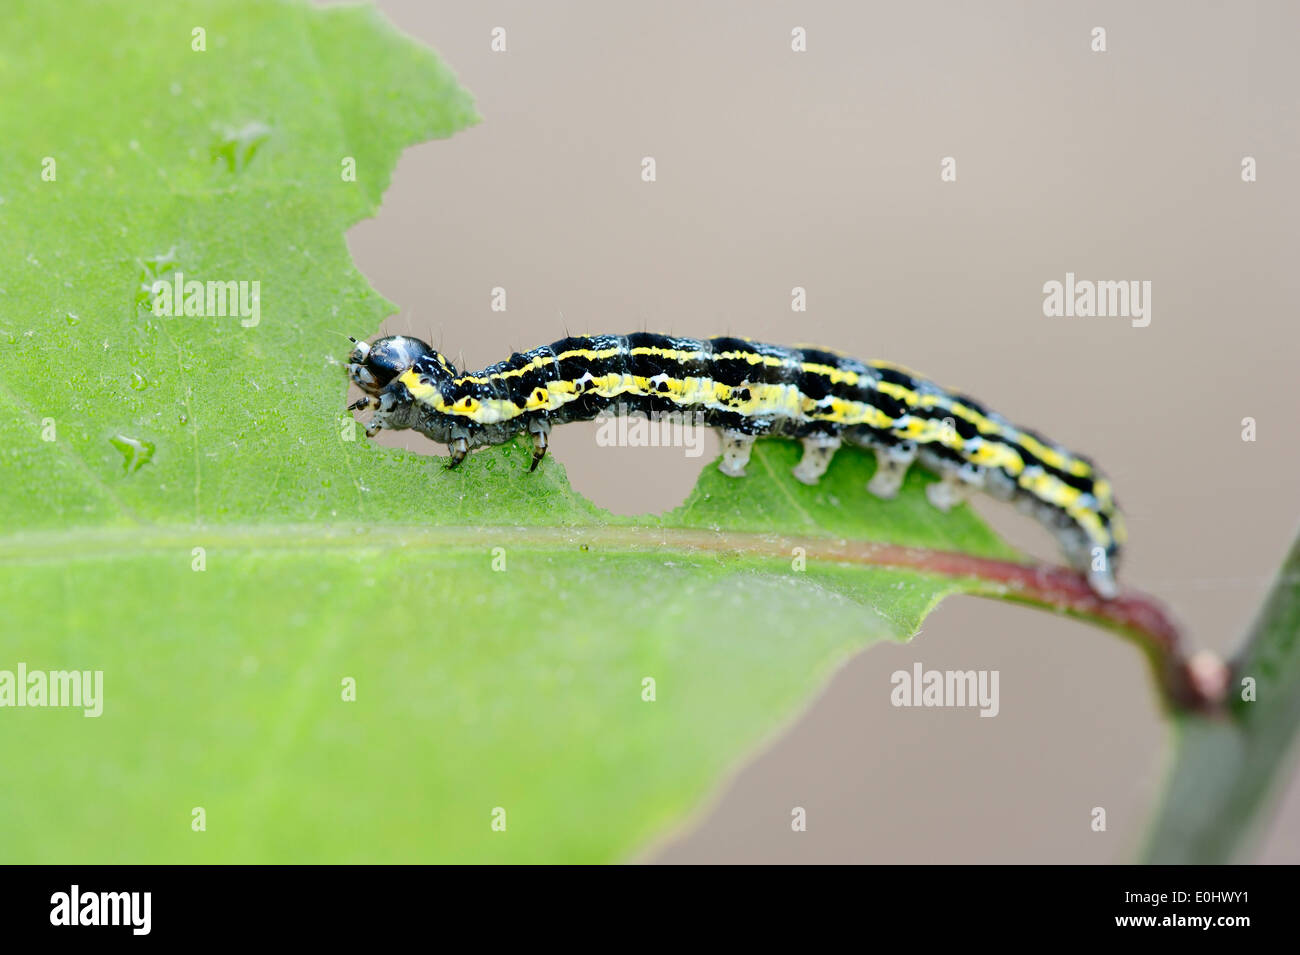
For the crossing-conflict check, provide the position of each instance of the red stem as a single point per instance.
(1189, 684)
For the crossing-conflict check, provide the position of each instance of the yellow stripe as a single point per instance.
(420, 389)
(541, 362)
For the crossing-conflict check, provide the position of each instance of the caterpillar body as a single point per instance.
(749, 390)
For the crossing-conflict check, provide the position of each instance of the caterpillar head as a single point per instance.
(373, 367)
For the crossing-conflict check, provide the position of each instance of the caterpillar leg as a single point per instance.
(818, 449)
(736, 446)
(540, 429)
(955, 486)
(1101, 578)
(383, 403)
(891, 468)
(948, 492)
(1096, 562)
(459, 449)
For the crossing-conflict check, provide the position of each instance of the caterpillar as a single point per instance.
(748, 390)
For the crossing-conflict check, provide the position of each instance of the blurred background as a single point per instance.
(821, 169)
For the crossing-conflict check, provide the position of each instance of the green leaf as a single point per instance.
(190, 510)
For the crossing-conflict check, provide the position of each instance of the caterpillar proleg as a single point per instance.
(750, 390)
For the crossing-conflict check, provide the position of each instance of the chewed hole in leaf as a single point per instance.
(135, 452)
(235, 147)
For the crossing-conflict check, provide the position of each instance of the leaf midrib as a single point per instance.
(101, 542)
